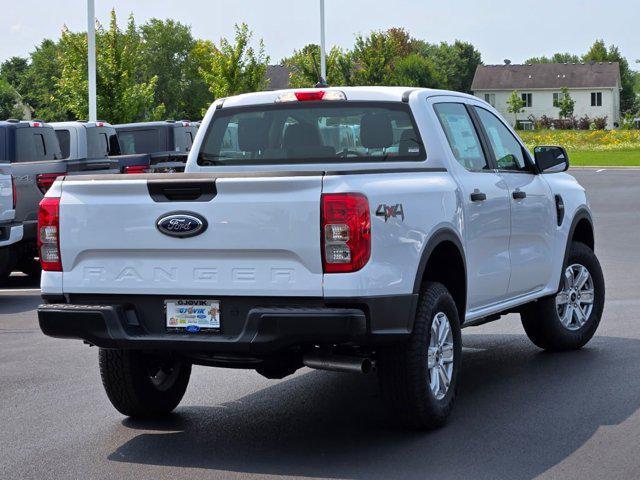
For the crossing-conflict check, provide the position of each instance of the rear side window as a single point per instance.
(462, 135)
(97, 142)
(64, 139)
(139, 141)
(36, 144)
(312, 132)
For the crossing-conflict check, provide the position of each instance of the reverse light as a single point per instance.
(45, 180)
(346, 232)
(49, 234)
(311, 96)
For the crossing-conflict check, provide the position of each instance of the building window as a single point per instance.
(490, 98)
(596, 99)
(557, 98)
(527, 98)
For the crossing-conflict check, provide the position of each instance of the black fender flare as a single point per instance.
(444, 234)
(581, 214)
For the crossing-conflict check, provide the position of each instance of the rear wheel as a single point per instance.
(568, 320)
(7, 263)
(143, 385)
(419, 378)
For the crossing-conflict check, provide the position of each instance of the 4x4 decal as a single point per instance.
(390, 211)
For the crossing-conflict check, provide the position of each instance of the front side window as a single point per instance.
(527, 98)
(507, 150)
(312, 132)
(461, 135)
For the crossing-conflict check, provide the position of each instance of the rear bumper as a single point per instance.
(10, 234)
(248, 325)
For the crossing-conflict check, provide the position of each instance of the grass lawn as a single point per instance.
(605, 158)
(599, 148)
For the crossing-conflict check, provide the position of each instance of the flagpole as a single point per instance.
(323, 62)
(91, 37)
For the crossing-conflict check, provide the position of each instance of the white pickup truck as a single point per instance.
(11, 231)
(348, 229)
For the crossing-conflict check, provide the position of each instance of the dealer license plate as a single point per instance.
(193, 315)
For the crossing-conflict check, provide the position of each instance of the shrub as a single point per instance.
(600, 123)
(544, 122)
(584, 122)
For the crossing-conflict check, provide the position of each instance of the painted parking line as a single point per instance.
(601, 170)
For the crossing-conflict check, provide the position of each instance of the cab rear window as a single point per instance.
(312, 132)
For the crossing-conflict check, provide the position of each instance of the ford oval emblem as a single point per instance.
(193, 328)
(181, 224)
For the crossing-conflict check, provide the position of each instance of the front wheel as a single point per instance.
(419, 378)
(568, 320)
(139, 384)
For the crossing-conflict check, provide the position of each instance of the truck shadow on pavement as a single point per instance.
(519, 412)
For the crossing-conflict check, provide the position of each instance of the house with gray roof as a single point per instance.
(595, 87)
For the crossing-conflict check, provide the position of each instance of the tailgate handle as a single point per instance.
(182, 190)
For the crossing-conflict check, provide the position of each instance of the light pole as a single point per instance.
(323, 61)
(91, 37)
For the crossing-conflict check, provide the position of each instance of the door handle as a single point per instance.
(478, 196)
(519, 195)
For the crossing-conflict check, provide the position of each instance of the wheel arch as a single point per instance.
(581, 230)
(444, 248)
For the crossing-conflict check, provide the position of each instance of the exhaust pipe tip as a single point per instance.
(337, 363)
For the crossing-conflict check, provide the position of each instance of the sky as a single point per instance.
(499, 29)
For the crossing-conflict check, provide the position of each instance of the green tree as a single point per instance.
(373, 56)
(14, 71)
(237, 67)
(555, 58)
(599, 53)
(456, 63)
(123, 94)
(38, 88)
(415, 71)
(515, 105)
(304, 66)
(566, 104)
(9, 101)
(167, 48)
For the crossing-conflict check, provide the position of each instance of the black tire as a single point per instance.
(7, 263)
(31, 267)
(403, 372)
(126, 376)
(541, 319)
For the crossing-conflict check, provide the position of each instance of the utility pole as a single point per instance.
(91, 36)
(323, 61)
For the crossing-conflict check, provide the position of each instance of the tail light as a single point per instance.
(14, 192)
(45, 180)
(346, 232)
(136, 169)
(49, 234)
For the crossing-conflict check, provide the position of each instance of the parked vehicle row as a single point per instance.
(35, 153)
(342, 229)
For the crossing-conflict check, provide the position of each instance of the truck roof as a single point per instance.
(79, 123)
(9, 124)
(380, 94)
(159, 123)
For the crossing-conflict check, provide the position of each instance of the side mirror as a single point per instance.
(551, 159)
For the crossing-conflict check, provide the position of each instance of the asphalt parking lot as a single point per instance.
(521, 413)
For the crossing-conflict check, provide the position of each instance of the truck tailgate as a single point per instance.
(262, 238)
